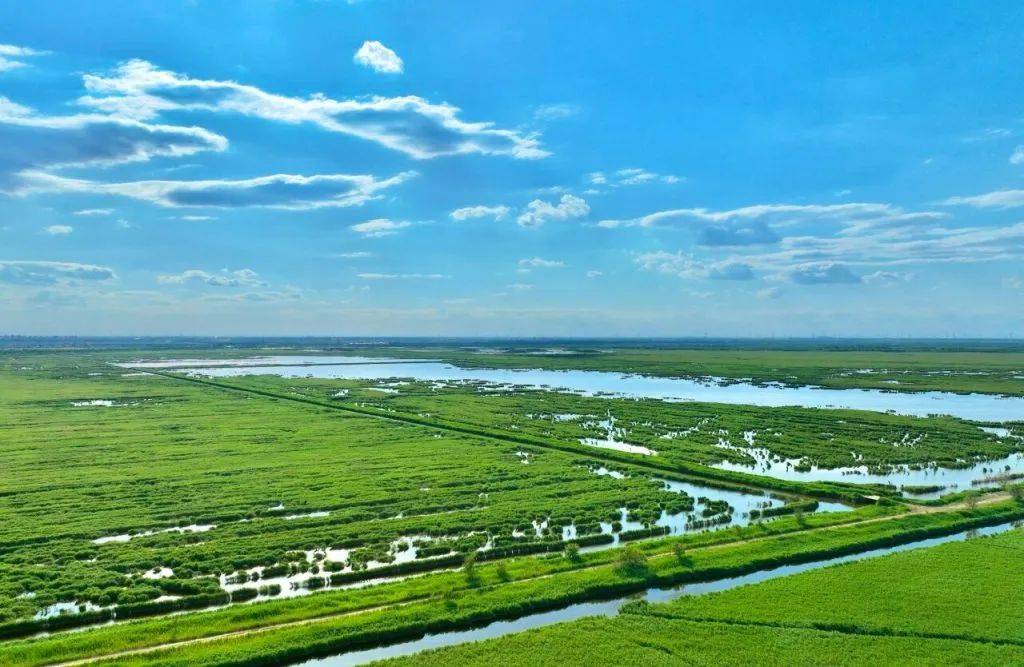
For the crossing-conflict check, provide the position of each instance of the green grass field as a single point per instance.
(942, 605)
(135, 495)
(659, 641)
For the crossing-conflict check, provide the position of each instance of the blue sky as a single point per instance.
(542, 168)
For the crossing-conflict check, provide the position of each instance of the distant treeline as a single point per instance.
(512, 345)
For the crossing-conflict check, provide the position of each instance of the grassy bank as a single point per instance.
(485, 603)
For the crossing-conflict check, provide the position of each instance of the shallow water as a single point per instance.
(274, 360)
(976, 407)
(740, 502)
(62, 608)
(951, 479)
(125, 537)
(611, 607)
(611, 439)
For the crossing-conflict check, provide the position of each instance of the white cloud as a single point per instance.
(1018, 155)
(685, 266)
(836, 244)
(224, 278)
(594, 273)
(634, 176)
(473, 212)
(547, 112)
(361, 254)
(379, 227)
(378, 57)
(51, 273)
(775, 213)
(905, 245)
(730, 269)
(823, 273)
(988, 134)
(552, 190)
(402, 276)
(538, 212)
(31, 143)
(520, 287)
(888, 277)
(540, 263)
(59, 230)
(10, 56)
(280, 191)
(996, 199)
(408, 124)
(630, 176)
(288, 294)
(94, 211)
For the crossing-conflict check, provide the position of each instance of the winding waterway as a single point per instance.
(610, 608)
(975, 407)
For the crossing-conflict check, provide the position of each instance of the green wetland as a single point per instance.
(266, 506)
(939, 605)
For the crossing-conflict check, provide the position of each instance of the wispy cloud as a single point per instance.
(630, 176)
(996, 199)
(87, 212)
(548, 112)
(752, 233)
(823, 273)
(280, 191)
(402, 276)
(888, 277)
(474, 212)
(31, 143)
(409, 124)
(775, 213)
(223, 278)
(59, 230)
(12, 57)
(684, 265)
(378, 57)
(988, 134)
(380, 227)
(538, 262)
(51, 273)
(847, 244)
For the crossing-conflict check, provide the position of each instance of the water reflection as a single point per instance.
(611, 607)
(976, 407)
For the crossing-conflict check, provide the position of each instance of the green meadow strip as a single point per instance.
(485, 600)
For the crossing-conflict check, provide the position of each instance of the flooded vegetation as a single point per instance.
(311, 490)
(923, 481)
(978, 407)
(781, 609)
